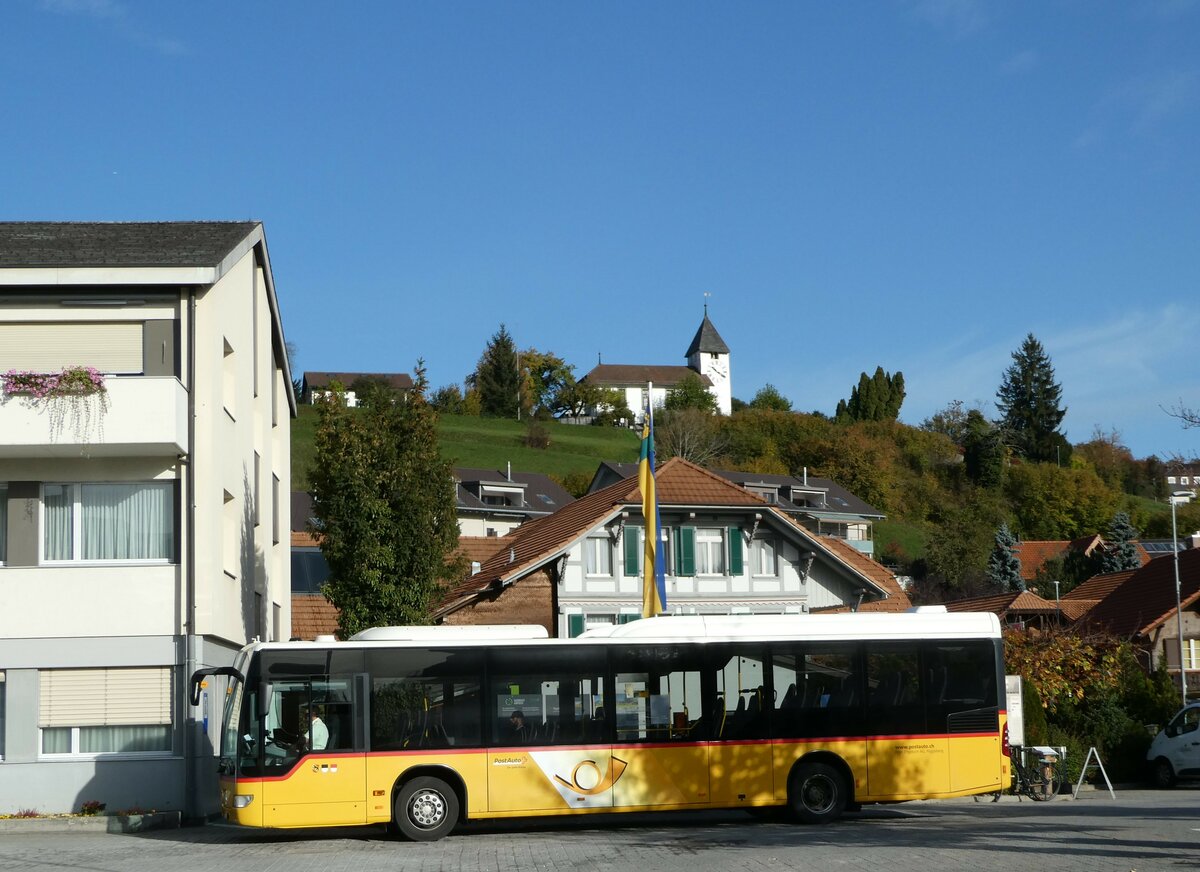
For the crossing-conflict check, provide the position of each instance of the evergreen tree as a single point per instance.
(498, 378)
(1029, 401)
(983, 451)
(1004, 567)
(384, 500)
(876, 398)
(1120, 553)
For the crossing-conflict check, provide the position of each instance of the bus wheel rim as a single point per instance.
(427, 808)
(818, 793)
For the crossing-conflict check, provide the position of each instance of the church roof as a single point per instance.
(707, 340)
(635, 374)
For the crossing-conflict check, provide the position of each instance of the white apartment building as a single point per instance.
(143, 530)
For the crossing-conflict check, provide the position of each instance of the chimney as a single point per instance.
(475, 567)
(1193, 541)
(508, 475)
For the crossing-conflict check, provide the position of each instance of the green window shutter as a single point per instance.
(574, 625)
(627, 619)
(686, 564)
(735, 551)
(633, 545)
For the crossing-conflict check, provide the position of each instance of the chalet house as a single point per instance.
(707, 357)
(1141, 607)
(493, 503)
(142, 528)
(318, 384)
(728, 552)
(818, 504)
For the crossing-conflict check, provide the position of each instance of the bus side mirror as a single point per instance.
(200, 674)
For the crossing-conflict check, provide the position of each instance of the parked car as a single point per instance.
(1175, 751)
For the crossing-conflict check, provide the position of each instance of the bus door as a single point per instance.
(740, 757)
(661, 734)
(314, 769)
(904, 756)
(549, 732)
(962, 697)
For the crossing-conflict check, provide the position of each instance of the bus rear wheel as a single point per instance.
(817, 793)
(426, 809)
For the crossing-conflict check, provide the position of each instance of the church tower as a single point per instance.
(709, 355)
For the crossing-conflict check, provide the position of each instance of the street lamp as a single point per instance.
(1176, 496)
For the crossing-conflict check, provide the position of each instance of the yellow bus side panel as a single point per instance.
(384, 770)
(852, 751)
(742, 774)
(321, 790)
(976, 763)
(551, 780)
(252, 814)
(914, 766)
(661, 776)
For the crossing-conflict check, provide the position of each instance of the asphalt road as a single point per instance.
(1142, 830)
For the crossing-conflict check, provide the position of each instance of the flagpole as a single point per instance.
(654, 593)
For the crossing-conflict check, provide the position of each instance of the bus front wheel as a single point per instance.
(817, 793)
(426, 809)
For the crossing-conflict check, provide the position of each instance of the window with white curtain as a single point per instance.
(105, 711)
(597, 554)
(710, 551)
(763, 551)
(125, 522)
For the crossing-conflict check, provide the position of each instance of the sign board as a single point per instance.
(1016, 710)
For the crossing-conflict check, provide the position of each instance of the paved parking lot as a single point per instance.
(1142, 830)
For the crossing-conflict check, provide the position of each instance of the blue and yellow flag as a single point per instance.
(654, 580)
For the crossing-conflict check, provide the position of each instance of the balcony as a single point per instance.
(138, 416)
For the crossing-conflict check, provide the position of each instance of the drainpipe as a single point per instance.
(189, 570)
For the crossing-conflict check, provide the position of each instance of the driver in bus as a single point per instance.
(316, 737)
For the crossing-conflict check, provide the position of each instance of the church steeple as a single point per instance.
(707, 339)
(709, 356)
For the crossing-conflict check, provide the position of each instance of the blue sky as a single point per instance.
(915, 184)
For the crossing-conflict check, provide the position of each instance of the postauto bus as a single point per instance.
(429, 726)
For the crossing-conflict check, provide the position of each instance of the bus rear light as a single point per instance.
(1004, 746)
(242, 800)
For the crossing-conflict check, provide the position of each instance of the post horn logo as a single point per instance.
(588, 780)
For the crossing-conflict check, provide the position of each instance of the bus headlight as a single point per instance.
(242, 800)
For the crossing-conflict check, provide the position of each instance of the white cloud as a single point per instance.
(1020, 63)
(958, 18)
(116, 16)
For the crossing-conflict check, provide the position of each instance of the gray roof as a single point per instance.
(837, 500)
(125, 244)
(542, 494)
(707, 340)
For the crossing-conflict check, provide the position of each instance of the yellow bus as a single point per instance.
(426, 726)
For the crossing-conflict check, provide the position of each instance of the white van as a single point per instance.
(1175, 752)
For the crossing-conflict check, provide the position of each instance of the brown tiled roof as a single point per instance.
(897, 600)
(1074, 609)
(633, 374)
(1034, 553)
(1147, 597)
(1099, 586)
(1019, 602)
(401, 381)
(312, 616)
(479, 548)
(304, 540)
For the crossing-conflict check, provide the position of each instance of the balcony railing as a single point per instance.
(136, 416)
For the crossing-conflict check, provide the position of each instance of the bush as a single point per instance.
(536, 435)
(91, 807)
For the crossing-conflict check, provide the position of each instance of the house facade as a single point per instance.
(316, 385)
(727, 552)
(143, 530)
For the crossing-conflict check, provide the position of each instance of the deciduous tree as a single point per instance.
(690, 393)
(384, 501)
(769, 397)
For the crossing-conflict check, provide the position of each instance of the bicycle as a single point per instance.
(1034, 773)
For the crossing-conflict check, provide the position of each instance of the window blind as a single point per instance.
(109, 346)
(104, 697)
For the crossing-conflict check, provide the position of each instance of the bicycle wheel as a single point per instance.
(1042, 784)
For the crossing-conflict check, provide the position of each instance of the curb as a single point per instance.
(116, 823)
